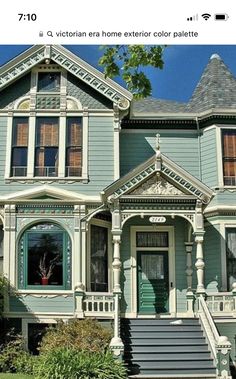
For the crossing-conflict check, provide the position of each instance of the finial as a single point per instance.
(216, 56)
(158, 152)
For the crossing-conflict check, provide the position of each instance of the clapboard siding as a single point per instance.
(182, 148)
(59, 304)
(208, 158)
(100, 159)
(212, 256)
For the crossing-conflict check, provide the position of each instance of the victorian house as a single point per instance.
(120, 210)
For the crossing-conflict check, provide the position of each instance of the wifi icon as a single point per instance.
(206, 16)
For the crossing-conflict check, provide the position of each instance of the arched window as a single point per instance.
(45, 257)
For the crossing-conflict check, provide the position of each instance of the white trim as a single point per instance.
(9, 145)
(62, 146)
(219, 157)
(158, 130)
(133, 263)
(107, 225)
(223, 258)
(85, 147)
(116, 125)
(31, 146)
(46, 189)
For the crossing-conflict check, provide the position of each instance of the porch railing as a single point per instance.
(98, 304)
(219, 345)
(221, 303)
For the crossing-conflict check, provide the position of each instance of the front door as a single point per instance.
(153, 282)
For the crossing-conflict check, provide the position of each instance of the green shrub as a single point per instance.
(25, 363)
(10, 350)
(63, 363)
(86, 335)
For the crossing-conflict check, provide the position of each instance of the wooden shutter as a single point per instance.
(74, 158)
(21, 137)
(48, 134)
(230, 145)
(75, 134)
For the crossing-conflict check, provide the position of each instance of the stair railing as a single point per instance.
(219, 345)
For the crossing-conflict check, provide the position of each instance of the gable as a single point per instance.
(80, 69)
(158, 177)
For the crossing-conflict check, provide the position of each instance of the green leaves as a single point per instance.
(129, 62)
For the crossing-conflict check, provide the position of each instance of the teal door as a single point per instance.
(153, 282)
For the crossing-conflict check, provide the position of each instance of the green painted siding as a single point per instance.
(212, 253)
(33, 304)
(229, 330)
(15, 91)
(86, 95)
(208, 158)
(180, 260)
(100, 160)
(181, 147)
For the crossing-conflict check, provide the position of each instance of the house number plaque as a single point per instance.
(157, 219)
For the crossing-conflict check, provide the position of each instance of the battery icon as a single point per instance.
(221, 17)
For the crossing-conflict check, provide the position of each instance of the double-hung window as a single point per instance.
(231, 256)
(74, 147)
(46, 147)
(19, 146)
(229, 157)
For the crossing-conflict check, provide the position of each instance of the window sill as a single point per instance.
(47, 179)
(40, 292)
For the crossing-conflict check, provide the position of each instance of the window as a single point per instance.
(49, 81)
(231, 256)
(229, 157)
(74, 147)
(44, 257)
(19, 147)
(46, 147)
(99, 259)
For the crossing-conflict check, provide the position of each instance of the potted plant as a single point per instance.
(46, 268)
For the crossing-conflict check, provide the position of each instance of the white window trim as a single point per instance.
(63, 116)
(133, 264)
(107, 225)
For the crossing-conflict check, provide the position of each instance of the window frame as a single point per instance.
(62, 117)
(23, 260)
(107, 225)
(224, 131)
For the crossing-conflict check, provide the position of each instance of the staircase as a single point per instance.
(157, 349)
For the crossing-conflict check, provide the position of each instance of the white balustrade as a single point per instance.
(220, 303)
(98, 304)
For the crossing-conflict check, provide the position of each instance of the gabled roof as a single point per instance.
(158, 178)
(37, 54)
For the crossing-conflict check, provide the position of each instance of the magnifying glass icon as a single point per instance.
(49, 33)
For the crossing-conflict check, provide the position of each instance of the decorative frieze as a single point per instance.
(157, 186)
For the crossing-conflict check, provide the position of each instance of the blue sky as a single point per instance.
(183, 65)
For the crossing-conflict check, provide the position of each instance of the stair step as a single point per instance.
(167, 321)
(167, 334)
(164, 328)
(161, 348)
(165, 341)
(167, 356)
(160, 374)
(176, 376)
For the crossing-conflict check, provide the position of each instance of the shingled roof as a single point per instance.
(215, 89)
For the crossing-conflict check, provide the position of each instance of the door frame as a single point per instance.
(171, 263)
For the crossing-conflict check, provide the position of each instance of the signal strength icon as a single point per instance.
(193, 18)
(206, 16)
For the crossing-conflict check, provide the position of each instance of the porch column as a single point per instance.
(200, 262)
(199, 237)
(116, 344)
(189, 268)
